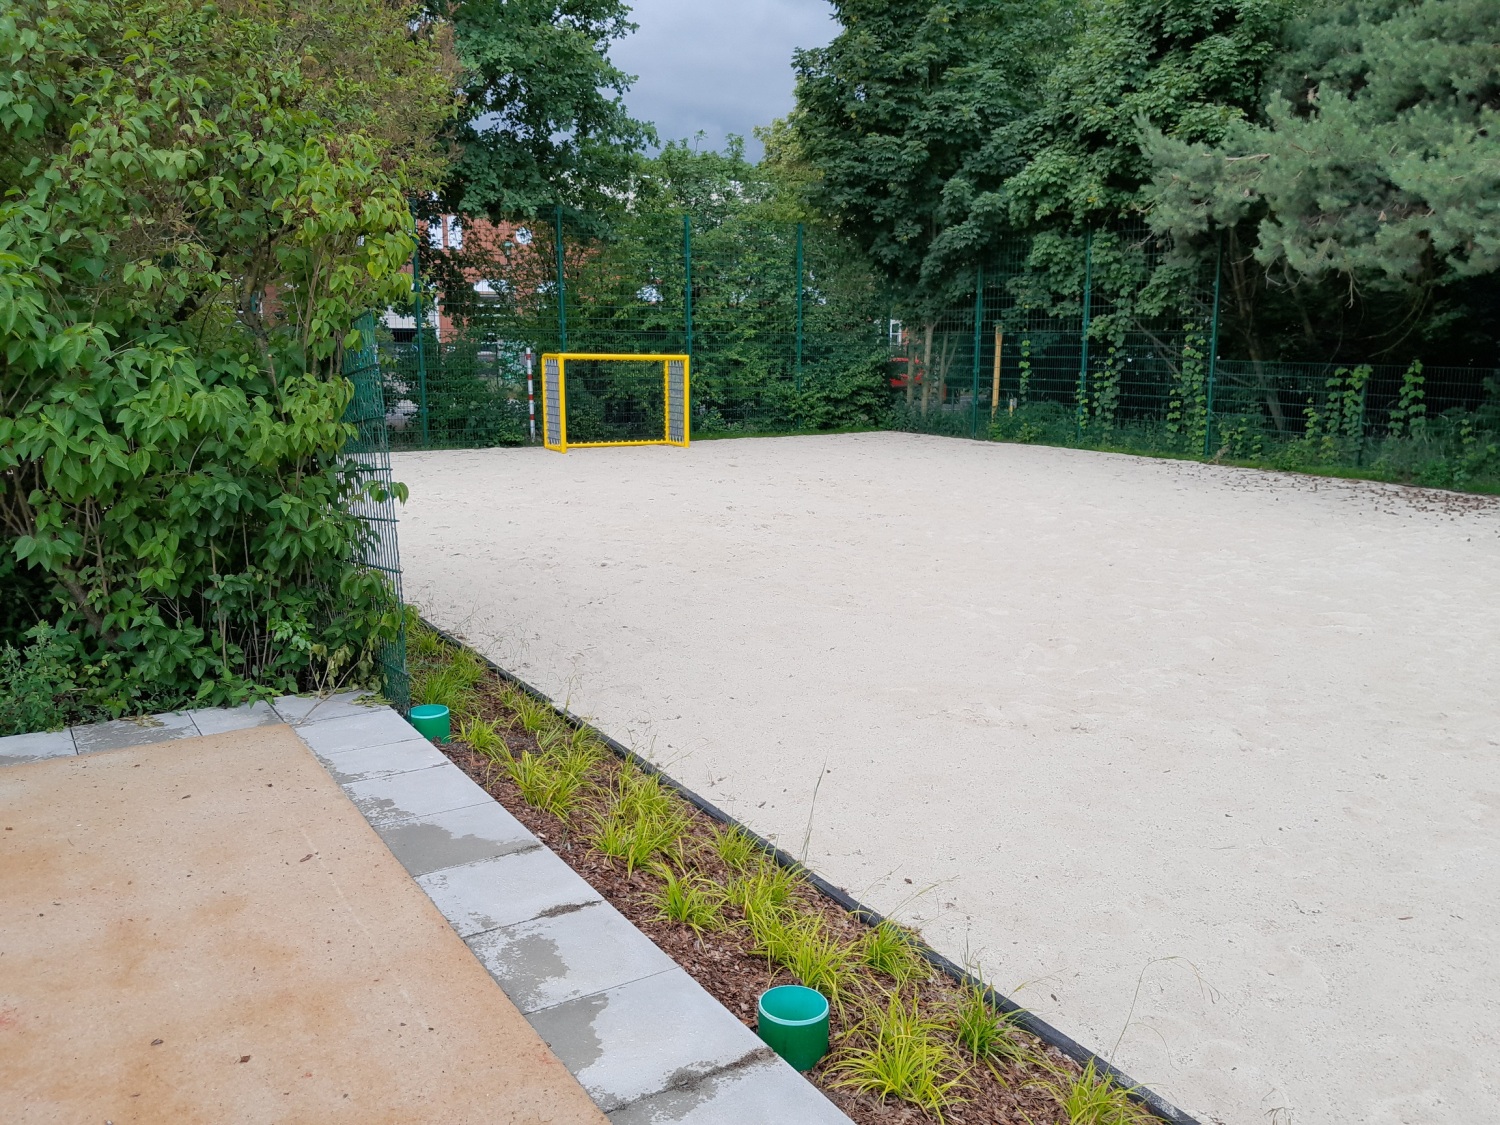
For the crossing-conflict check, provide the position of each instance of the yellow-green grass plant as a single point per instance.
(546, 783)
(1092, 1098)
(765, 886)
(734, 846)
(482, 736)
(987, 1036)
(448, 679)
(888, 949)
(803, 944)
(535, 715)
(640, 820)
(899, 1052)
(692, 900)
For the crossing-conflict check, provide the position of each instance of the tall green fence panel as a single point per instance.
(367, 456)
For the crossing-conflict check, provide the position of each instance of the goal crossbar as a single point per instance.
(676, 373)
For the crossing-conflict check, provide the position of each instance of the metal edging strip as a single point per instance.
(1023, 1018)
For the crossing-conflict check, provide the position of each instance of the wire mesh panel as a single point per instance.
(372, 499)
(677, 401)
(553, 431)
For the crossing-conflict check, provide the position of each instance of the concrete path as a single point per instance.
(642, 1038)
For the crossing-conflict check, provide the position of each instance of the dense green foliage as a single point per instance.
(200, 202)
(542, 122)
(734, 223)
(1368, 193)
(1344, 150)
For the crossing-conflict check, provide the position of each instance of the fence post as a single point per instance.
(1213, 353)
(687, 284)
(1088, 309)
(978, 328)
(562, 287)
(799, 308)
(419, 320)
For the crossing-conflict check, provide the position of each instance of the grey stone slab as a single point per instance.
(219, 720)
(451, 839)
(382, 727)
(560, 957)
(382, 761)
(758, 1088)
(644, 1037)
(301, 709)
(17, 749)
(390, 800)
(506, 890)
(134, 732)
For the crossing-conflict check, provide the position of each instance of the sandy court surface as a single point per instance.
(1197, 762)
(206, 931)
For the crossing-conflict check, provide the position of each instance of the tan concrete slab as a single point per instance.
(207, 931)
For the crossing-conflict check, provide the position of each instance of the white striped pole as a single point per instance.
(530, 395)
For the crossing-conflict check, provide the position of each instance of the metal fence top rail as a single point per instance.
(652, 357)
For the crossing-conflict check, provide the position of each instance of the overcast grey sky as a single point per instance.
(722, 66)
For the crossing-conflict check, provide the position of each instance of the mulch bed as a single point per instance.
(722, 961)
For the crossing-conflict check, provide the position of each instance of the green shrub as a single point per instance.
(183, 249)
(38, 686)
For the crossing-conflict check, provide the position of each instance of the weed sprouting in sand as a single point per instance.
(1091, 1098)
(734, 847)
(692, 900)
(900, 1052)
(887, 949)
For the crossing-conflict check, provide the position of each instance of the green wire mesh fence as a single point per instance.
(1103, 339)
(367, 455)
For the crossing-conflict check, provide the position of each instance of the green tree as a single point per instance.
(910, 112)
(543, 121)
(1370, 191)
(201, 202)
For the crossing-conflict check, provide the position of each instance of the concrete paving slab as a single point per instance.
(381, 727)
(18, 748)
(384, 761)
(134, 732)
(643, 1037)
(552, 960)
(763, 1089)
(506, 890)
(390, 800)
(206, 931)
(450, 839)
(303, 709)
(221, 720)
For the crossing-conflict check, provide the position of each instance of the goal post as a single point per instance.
(597, 399)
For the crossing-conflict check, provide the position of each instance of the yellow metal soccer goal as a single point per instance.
(594, 400)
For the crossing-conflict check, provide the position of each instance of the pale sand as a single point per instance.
(1226, 734)
(207, 931)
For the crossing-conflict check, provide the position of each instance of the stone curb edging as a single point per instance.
(643, 1038)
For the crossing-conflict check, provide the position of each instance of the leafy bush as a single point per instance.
(38, 687)
(199, 207)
